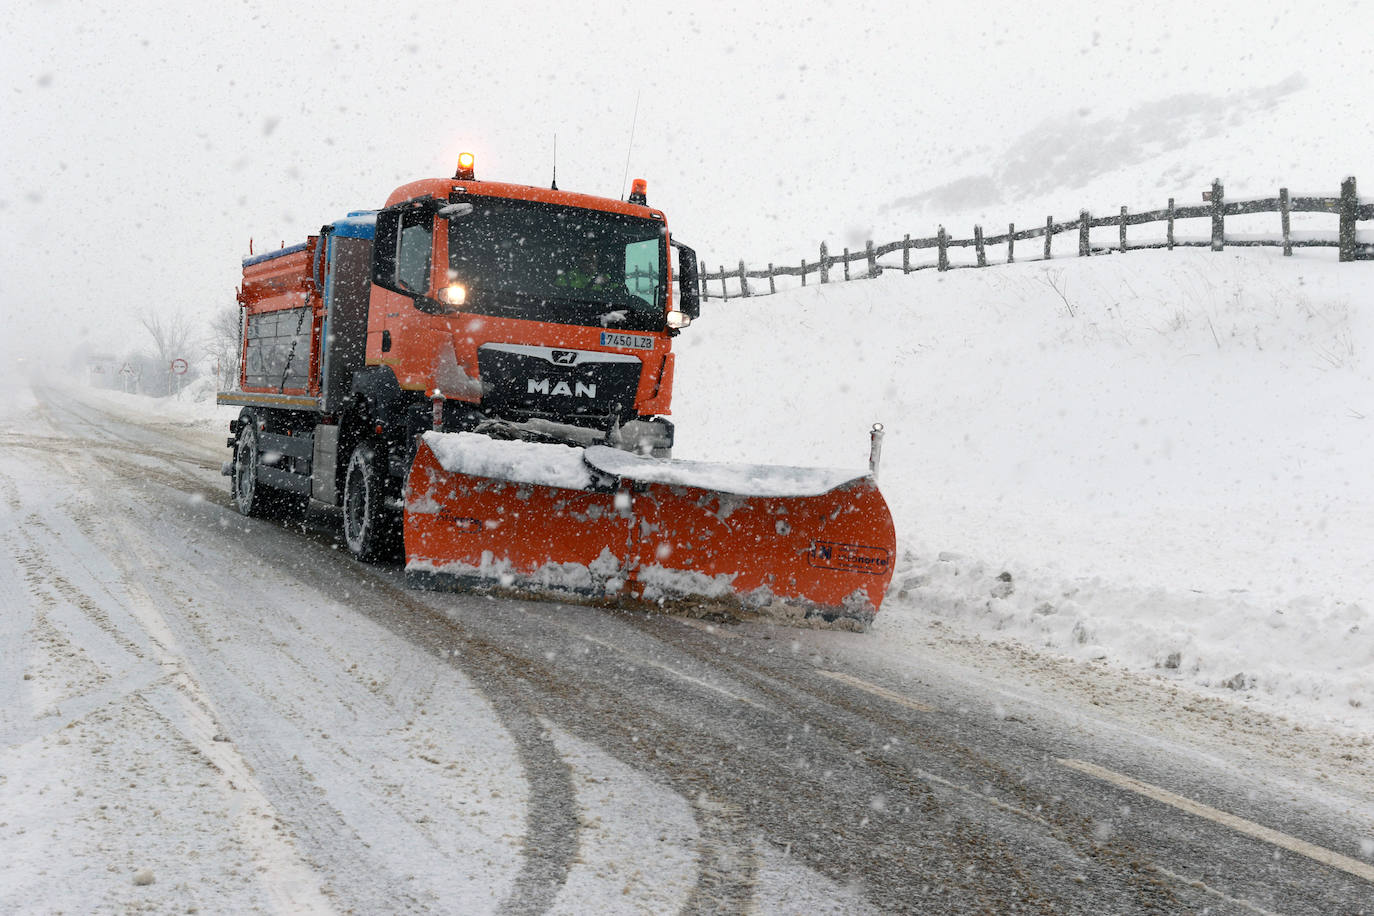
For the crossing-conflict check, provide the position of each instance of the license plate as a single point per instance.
(626, 341)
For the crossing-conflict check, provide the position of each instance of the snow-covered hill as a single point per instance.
(1155, 458)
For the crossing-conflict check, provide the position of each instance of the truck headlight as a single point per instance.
(453, 294)
(678, 320)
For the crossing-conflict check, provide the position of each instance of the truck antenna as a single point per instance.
(555, 161)
(633, 119)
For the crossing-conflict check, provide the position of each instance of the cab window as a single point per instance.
(642, 272)
(414, 250)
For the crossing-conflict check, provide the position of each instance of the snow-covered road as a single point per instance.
(207, 701)
(205, 711)
(174, 708)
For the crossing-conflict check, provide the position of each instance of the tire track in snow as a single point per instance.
(185, 704)
(321, 775)
(82, 608)
(551, 834)
(125, 636)
(286, 877)
(522, 660)
(728, 867)
(551, 831)
(74, 610)
(9, 492)
(861, 778)
(625, 864)
(16, 624)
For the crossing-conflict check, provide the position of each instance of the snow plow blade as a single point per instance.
(598, 522)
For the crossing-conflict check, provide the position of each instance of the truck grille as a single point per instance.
(524, 381)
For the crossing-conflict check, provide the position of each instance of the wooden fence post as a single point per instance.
(978, 246)
(872, 261)
(1218, 216)
(1085, 247)
(743, 281)
(1123, 228)
(1284, 222)
(825, 264)
(772, 282)
(906, 254)
(1169, 239)
(701, 285)
(803, 271)
(942, 263)
(1049, 235)
(724, 290)
(1350, 210)
(846, 263)
(1011, 243)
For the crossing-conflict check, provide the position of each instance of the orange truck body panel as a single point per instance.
(284, 285)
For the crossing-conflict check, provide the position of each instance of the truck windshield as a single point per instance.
(543, 262)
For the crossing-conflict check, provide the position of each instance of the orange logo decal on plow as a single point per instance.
(849, 557)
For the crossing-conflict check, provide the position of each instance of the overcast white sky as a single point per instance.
(145, 142)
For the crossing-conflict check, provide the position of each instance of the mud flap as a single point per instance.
(802, 541)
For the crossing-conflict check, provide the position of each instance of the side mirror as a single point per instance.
(455, 211)
(688, 282)
(403, 247)
(384, 248)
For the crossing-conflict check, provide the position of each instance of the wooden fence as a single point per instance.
(1215, 206)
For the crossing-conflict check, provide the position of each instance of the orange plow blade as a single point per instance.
(598, 522)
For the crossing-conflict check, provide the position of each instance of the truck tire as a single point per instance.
(252, 497)
(372, 529)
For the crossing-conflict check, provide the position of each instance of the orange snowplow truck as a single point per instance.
(495, 316)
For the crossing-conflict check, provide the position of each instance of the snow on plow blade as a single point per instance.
(600, 522)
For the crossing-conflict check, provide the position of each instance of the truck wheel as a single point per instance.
(371, 528)
(251, 496)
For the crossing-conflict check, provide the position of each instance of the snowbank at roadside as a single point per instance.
(194, 407)
(1157, 458)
